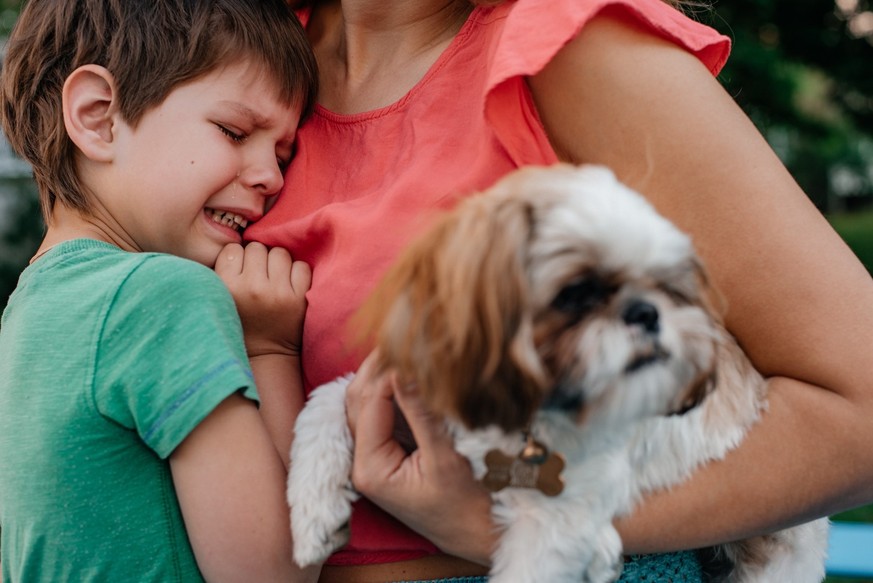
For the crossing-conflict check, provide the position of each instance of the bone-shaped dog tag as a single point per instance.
(535, 467)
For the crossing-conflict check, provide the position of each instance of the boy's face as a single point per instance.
(200, 166)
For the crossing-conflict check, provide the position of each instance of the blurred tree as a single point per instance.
(801, 70)
(8, 14)
(23, 229)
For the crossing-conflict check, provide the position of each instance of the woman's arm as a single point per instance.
(798, 301)
(231, 489)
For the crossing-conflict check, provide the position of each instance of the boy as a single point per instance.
(126, 399)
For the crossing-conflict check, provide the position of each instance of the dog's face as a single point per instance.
(558, 288)
(616, 293)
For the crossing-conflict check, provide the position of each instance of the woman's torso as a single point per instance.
(362, 186)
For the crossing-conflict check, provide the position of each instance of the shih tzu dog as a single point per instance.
(566, 332)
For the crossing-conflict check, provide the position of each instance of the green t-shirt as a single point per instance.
(108, 360)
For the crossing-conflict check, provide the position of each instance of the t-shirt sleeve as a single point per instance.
(535, 30)
(170, 351)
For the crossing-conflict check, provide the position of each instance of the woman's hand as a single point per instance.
(432, 489)
(269, 290)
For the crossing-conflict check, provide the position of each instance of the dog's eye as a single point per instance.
(681, 288)
(678, 295)
(582, 296)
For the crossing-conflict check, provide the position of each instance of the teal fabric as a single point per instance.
(666, 568)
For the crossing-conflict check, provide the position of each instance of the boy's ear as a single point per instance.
(90, 103)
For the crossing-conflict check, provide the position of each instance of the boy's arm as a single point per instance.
(278, 378)
(269, 291)
(230, 486)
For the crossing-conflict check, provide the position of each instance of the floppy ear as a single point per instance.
(709, 297)
(90, 103)
(452, 315)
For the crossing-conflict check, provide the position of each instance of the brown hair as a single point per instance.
(150, 47)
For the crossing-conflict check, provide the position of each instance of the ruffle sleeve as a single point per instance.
(532, 33)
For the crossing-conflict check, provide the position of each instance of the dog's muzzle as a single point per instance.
(643, 314)
(564, 398)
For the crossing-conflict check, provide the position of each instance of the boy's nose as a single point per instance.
(264, 177)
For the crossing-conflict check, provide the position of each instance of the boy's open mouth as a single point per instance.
(228, 219)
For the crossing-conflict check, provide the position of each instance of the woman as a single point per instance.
(422, 102)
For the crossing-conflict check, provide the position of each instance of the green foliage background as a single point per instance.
(804, 77)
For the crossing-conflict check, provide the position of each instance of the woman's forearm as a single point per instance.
(808, 457)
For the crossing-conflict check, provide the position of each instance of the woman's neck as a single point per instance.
(372, 52)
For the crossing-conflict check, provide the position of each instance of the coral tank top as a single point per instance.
(362, 185)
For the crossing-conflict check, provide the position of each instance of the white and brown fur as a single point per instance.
(558, 301)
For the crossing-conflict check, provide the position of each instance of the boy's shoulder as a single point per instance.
(91, 277)
(163, 267)
(169, 304)
(167, 277)
(88, 265)
(155, 272)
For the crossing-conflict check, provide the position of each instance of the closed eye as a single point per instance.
(682, 284)
(583, 295)
(284, 161)
(679, 296)
(238, 138)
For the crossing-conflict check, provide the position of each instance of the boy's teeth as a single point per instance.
(229, 219)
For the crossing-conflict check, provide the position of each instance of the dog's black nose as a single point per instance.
(640, 313)
(564, 399)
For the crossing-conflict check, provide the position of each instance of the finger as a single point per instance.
(229, 262)
(255, 260)
(369, 365)
(376, 451)
(301, 277)
(279, 267)
(278, 264)
(428, 428)
(363, 381)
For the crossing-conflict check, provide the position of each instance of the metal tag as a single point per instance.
(535, 467)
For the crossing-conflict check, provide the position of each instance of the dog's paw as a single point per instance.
(316, 547)
(602, 571)
(606, 562)
(320, 492)
(321, 527)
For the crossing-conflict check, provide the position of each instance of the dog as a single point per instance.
(567, 333)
